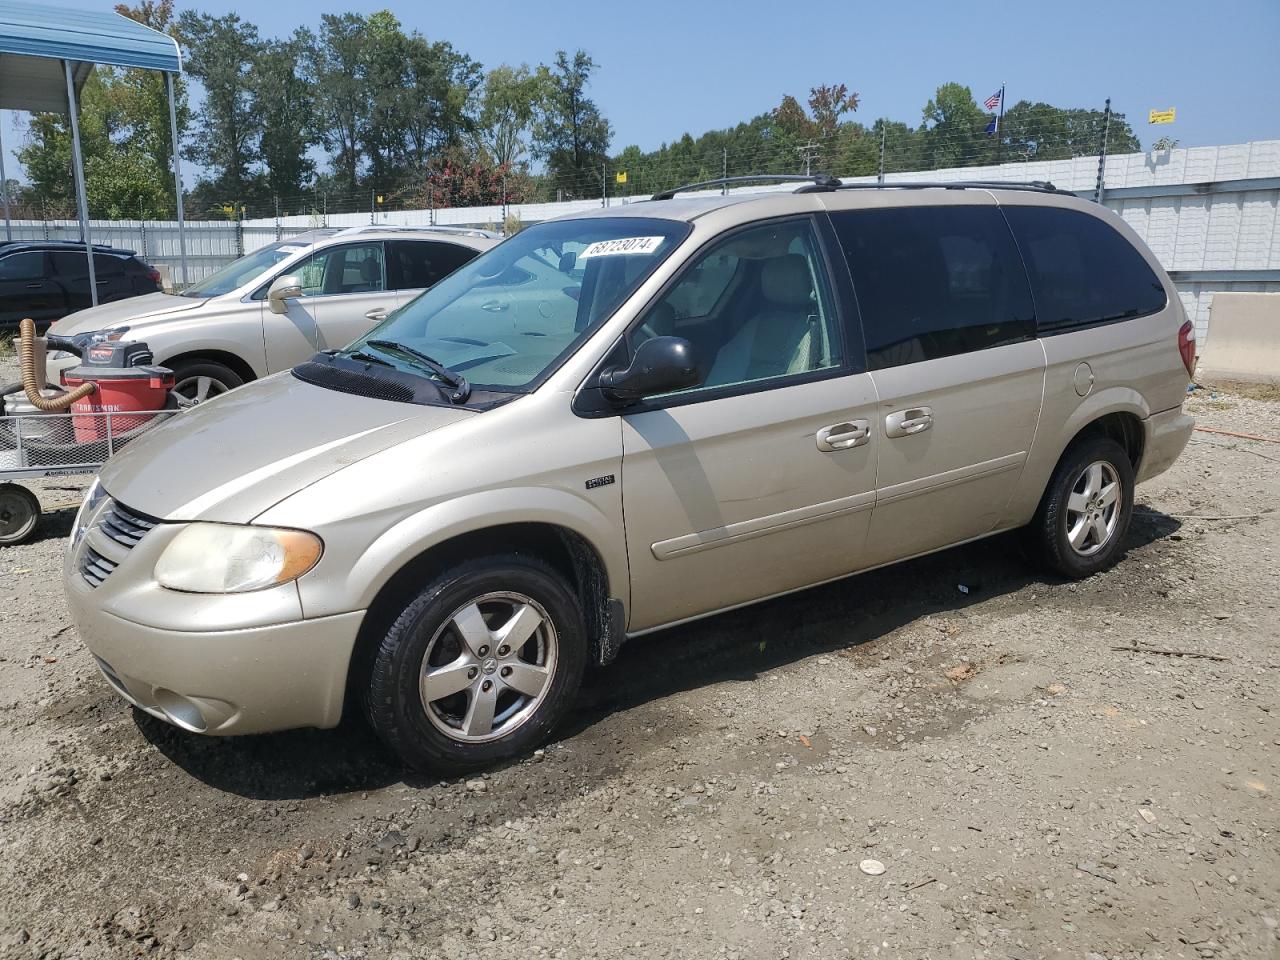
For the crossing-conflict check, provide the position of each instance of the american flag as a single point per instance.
(993, 101)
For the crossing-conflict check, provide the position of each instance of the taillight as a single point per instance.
(154, 274)
(1187, 347)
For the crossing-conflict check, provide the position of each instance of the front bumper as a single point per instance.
(227, 682)
(1167, 435)
(208, 663)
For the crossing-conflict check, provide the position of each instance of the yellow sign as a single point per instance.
(621, 176)
(379, 198)
(1162, 116)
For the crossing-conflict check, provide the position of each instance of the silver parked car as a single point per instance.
(278, 305)
(617, 422)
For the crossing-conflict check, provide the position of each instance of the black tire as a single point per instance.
(192, 376)
(19, 514)
(394, 704)
(1049, 533)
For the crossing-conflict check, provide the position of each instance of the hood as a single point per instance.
(231, 458)
(129, 312)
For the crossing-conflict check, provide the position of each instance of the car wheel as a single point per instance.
(1084, 516)
(480, 666)
(200, 380)
(19, 514)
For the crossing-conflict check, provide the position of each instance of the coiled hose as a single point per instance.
(27, 363)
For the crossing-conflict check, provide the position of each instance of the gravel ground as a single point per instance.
(1031, 791)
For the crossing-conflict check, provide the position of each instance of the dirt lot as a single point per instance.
(1032, 791)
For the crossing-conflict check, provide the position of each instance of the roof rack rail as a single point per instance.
(820, 181)
(461, 231)
(1043, 186)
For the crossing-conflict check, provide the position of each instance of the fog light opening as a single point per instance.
(181, 711)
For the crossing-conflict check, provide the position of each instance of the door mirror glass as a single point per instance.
(283, 288)
(660, 365)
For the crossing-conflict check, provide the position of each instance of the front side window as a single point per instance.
(355, 268)
(755, 306)
(23, 266)
(934, 281)
(1082, 270)
(509, 316)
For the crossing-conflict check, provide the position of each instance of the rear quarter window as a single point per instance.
(1082, 270)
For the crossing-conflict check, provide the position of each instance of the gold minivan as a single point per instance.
(615, 422)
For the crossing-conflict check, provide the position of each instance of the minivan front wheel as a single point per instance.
(480, 666)
(1084, 516)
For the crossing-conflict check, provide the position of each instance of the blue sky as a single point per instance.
(670, 67)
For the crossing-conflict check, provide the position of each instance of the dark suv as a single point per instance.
(48, 279)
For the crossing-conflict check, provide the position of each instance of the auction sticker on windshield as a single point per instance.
(621, 246)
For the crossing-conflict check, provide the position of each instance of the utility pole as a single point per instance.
(884, 126)
(809, 152)
(1102, 153)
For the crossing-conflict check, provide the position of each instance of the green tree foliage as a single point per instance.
(122, 179)
(282, 102)
(220, 54)
(338, 68)
(508, 103)
(571, 134)
(1038, 131)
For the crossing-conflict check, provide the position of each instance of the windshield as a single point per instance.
(245, 270)
(507, 318)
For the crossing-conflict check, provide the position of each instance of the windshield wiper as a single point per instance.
(461, 388)
(370, 358)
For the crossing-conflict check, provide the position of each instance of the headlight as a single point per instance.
(226, 558)
(92, 497)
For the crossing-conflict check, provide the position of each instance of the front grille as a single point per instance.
(95, 567)
(126, 527)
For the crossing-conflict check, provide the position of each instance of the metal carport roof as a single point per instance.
(34, 37)
(47, 53)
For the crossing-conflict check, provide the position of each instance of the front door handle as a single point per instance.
(905, 423)
(494, 306)
(842, 436)
(377, 314)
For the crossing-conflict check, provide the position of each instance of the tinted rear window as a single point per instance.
(1082, 270)
(421, 263)
(934, 281)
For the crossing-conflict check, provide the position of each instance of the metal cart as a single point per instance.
(38, 444)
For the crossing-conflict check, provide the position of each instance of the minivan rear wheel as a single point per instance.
(480, 666)
(1083, 519)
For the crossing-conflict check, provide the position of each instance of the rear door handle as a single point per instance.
(376, 314)
(842, 436)
(905, 423)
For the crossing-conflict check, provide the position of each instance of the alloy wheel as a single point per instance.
(1093, 508)
(488, 667)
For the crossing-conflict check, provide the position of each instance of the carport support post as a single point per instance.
(4, 188)
(177, 175)
(77, 161)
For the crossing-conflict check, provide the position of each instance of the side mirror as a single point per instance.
(283, 288)
(661, 364)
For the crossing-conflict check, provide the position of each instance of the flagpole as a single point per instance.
(999, 141)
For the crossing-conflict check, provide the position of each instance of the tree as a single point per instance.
(282, 102)
(440, 84)
(143, 93)
(121, 178)
(1040, 131)
(220, 51)
(337, 68)
(828, 104)
(507, 106)
(456, 177)
(571, 135)
(954, 132)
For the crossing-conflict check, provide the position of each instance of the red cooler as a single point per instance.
(123, 388)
